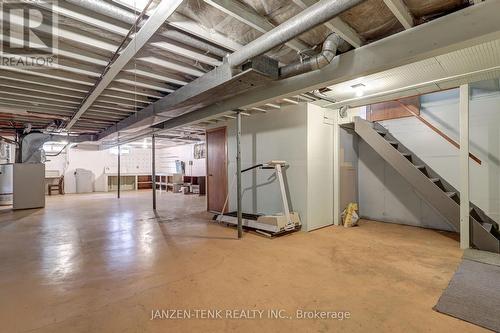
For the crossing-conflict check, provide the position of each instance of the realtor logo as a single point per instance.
(28, 33)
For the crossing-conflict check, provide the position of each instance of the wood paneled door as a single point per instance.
(216, 168)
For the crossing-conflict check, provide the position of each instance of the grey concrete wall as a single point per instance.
(384, 195)
(348, 167)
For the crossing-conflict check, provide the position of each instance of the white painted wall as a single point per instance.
(104, 162)
(185, 153)
(319, 167)
(442, 110)
(348, 161)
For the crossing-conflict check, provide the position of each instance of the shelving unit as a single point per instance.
(173, 183)
(198, 181)
(130, 182)
(144, 182)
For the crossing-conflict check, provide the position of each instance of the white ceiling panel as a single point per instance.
(443, 72)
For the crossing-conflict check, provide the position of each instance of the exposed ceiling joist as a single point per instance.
(336, 25)
(124, 92)
(404, 48)
(38, 94)
(400, 10)
(187, 25)
(252, 18)
(154, 22)
(172, 65)
(29, 87)
(189, 53)
(70, 11)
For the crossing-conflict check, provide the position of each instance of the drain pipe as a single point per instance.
(107, 9)
(325, 57)
(309, 18)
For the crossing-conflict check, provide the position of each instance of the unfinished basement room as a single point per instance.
(249, 166)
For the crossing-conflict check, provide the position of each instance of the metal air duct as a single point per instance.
(309, 18)
(320, 60)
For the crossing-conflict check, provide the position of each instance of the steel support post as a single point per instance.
(153, 170)
(238, 174)
(119, 173)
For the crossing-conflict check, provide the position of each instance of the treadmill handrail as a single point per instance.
(252, 167)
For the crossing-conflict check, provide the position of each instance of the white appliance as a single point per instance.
(29, 185)
(84, 181)
(6, 184)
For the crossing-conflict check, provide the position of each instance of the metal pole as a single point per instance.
(238, 173)
(464, 168)
(336, 171)
(153, 171)
(119, 177)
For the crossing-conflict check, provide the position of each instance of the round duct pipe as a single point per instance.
(309, 18)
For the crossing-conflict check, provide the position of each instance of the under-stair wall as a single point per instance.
(384, 195)
(441, 109)
(436, 191)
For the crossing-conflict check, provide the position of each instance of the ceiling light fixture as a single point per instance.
(359, 89)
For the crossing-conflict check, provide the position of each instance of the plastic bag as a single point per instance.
(350, 217)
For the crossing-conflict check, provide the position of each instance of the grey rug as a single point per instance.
(473, 295)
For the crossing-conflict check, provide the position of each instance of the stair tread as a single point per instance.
(487, 226)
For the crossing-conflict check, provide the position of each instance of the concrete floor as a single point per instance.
(92, 263)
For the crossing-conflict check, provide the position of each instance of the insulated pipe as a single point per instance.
(123, 15)
(309, 18)
(330, 46)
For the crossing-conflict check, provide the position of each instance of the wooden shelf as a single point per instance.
(163, 182)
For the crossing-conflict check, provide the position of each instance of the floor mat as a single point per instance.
(473, 295)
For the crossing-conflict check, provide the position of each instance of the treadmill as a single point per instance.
(269, 225)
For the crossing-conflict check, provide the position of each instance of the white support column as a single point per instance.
(464, 168)
(336, 171)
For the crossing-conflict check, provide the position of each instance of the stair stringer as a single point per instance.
(448, 207)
